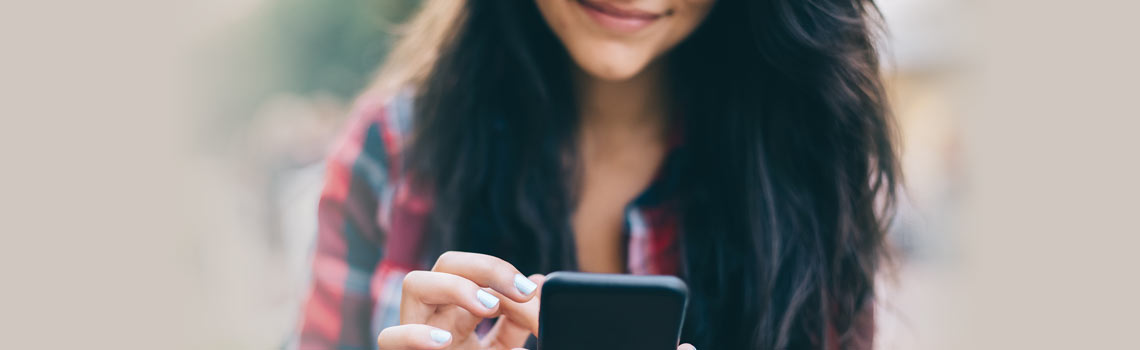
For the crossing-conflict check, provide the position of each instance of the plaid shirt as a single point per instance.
(371, 227)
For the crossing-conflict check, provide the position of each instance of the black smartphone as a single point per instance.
(605, 311)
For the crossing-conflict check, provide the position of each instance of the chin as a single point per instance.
(612, 67)
(608, 60)
(611, 72)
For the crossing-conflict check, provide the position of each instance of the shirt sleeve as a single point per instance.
(349, 238)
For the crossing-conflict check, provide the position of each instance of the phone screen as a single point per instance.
(600, 311)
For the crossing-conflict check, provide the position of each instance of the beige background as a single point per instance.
(104, 209)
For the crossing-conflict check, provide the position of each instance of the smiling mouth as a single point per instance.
(619, 19)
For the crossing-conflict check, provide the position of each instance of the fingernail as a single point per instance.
(487, 299)
(524, 284)
(440, 336)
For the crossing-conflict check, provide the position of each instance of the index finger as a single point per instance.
(488, 271)
(520, 320)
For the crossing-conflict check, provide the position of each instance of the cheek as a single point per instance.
(554, 14)
(690, 15)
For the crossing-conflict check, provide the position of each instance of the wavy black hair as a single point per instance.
(788, 168)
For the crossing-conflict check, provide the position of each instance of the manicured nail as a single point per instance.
(487, 299)
(524, 285)
(440, 336)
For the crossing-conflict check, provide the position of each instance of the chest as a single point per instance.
(611, 180)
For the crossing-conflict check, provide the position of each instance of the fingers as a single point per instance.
(518, 322)
(505, 334)
(461, 289)
(686, 346)
(538, 279)
(488, 271)
(413, 337)
(455, 319)
(525, 315)
(424, 290)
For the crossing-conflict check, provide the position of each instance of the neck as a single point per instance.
(635, 106)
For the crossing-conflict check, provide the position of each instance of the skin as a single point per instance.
(619, 77)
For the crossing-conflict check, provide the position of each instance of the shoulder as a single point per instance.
(365, 162)
(376, 130)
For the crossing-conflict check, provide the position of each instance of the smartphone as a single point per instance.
(606, 311)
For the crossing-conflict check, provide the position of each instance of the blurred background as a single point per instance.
(160, 162)
(279, 76)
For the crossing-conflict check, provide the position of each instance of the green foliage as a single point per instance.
(332, 46)
(297, 47)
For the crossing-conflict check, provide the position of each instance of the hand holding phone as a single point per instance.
(441, 308)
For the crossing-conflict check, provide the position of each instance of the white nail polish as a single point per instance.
(524, 285)
(487, 299)
(440, 336)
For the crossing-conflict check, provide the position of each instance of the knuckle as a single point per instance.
(453, 255)
(385, 338)
(412, 278)
(503, 271)
(447, 257)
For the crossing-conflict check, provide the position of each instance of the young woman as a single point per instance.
(742, 145)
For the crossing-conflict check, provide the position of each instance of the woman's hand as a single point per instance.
(440, 308)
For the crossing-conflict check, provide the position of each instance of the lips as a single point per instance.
(615, 11)
(619, 19)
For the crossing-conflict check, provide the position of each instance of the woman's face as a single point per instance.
(616, 39)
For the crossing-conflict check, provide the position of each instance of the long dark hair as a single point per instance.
(788, 168)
